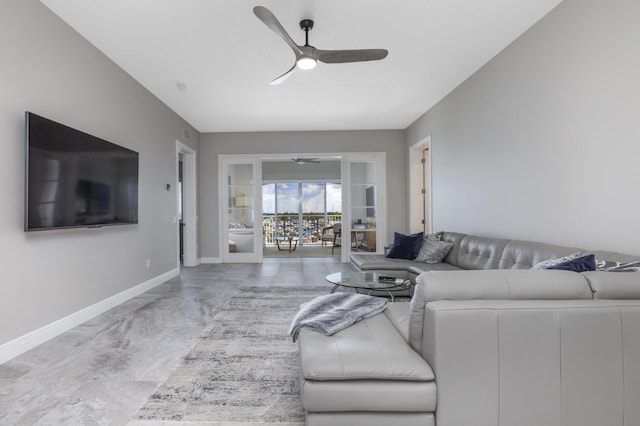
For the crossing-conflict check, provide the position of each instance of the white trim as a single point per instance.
(190, 218)
(224, 162)
(211, 260)
(380, 181)
(43, 334)
(420, 146)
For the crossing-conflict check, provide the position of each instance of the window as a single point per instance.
(300, 209)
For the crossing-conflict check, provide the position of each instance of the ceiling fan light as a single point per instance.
(306, 63)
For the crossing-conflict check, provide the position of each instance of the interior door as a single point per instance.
(240, 210)
(364, 224)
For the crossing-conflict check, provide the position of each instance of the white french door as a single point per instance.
(364, 204)
(240, 210)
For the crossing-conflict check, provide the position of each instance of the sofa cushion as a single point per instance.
(369, 350)
(525, 254)
(477, 252)
(378, 262)
(405, 246)
(607, 285)
(418, 268)
(398, 314)
(376, 418)
(368, 395)
(455, 238)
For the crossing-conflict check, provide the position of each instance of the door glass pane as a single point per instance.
(334, 203)
(363, 205)
(288, 205)
(312, 212)
(241, 210)
(269, 212)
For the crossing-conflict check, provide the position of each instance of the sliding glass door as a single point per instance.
(299, 210)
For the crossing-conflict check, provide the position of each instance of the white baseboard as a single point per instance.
(211, 260)
(37, 337)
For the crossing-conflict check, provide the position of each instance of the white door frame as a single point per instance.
(345, 158)
(224, 161)
(189, 202)
(380, 160)
(416, 181)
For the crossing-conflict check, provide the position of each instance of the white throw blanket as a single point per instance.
(334, 312)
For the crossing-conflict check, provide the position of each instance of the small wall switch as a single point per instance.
(148, 263)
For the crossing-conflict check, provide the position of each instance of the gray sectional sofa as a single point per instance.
(474, 252)
(499, 344)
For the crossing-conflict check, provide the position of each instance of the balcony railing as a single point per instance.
(288, 224)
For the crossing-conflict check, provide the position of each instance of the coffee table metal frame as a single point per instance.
(366, 281)
(290, 240)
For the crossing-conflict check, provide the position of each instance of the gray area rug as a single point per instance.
(243, 369)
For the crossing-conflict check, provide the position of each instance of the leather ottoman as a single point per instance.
(366, 375)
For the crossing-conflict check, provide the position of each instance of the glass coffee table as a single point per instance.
(367, 281)
(291, 240)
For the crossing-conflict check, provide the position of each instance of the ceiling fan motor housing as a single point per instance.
(306, 25)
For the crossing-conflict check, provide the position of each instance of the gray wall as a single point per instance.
(543, 142)
(213, 144)
(47, 68)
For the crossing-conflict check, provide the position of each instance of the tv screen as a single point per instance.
(76, 180)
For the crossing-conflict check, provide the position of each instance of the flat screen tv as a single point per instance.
(75, 180)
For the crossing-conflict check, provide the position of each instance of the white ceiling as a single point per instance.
(226, 57)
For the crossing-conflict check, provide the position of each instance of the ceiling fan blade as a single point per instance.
(306, 160)
(283, 77)
(342, 56)
(270, 21)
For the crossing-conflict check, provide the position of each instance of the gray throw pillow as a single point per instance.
(433, 250)
(423, 247)
(550, 263)
(612, 266)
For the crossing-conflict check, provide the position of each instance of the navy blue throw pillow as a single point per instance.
(581, 264)
(405, 246)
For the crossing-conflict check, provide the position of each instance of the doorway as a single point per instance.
(240, 201)
(303, 213)
(420, 207)
(186, 208)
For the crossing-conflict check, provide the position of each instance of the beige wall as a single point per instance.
(47, 68)
(543, 142)
(214, 144)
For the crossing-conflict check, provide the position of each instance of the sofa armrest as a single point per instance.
(547, 361)
(508, 284)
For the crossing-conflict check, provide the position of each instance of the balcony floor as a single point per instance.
(307, 251)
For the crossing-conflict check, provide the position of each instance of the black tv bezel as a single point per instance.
(27, 146)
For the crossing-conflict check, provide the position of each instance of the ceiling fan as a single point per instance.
(305, 160)
(308, 56)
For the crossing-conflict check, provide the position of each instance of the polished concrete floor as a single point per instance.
(101, 372)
